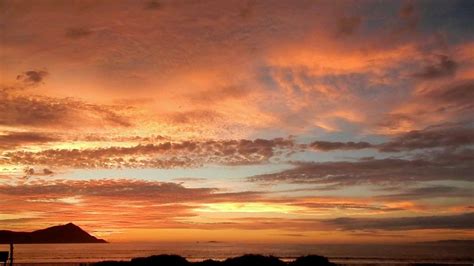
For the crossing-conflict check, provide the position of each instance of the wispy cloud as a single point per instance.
(445, 67)
(444, 166)
(459, 221)
(10, 140)
(18, 109)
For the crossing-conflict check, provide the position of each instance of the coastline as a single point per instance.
(87, 254)
(337, 263)
(332, 261)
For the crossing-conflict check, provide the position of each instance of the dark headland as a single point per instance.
(68, 233)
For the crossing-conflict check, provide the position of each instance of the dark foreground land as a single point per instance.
(246, 260)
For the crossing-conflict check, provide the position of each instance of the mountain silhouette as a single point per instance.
(68, 233)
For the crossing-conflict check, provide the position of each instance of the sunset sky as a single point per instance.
(256, 121)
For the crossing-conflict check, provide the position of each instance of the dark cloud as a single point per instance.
(248, 9)
(455, 222)
(347, 206)
(459, 95)
(452, 102)
(153, 5)
(77, 33)
(29, 172)
(333, 175)
(407, 10)
(105, 188)
(328, 145)
(157, 192)
(42, 111)
(32, 76)
(408, 18)
(261, 223)
(28, 111)
(194, 117)
(113, 201)
(348, 25)
(10, 140)
(16, 220)
(429, 192)
(47, 171)
(444, 67)
(440, 136)
(452, 136)
(189, 179)
(164, 155)
(395, 121)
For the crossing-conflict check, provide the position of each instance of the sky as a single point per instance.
(245, 121)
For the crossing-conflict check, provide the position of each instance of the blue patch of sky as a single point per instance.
(170, 175)
(266, 78)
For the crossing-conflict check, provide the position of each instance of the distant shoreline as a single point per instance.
(87, 254)
(333, 261)
(250, 260)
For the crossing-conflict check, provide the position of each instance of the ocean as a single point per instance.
(349, 254)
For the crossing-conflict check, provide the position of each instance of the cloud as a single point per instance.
(440, 136)
(163, 155)
(78, 32)
(454, 222)
(42, 111)
(157, 192)
(407, 10)
(334, 175)
(448, 135)
(348, 25)
(160, 153)
(248, 9)
(153, 5)
(423, 193)
(194, 117)
(11, 140)
(32, 77)
(409, 19)
(396, 122)
(17, 221)
(452, 136)
(459, 94)
(323, 205)
(328, 145)
(29, 172)
(445, 67)
(116, 204)
(449, 102)
(112, 203)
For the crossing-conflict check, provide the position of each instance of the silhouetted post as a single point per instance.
(4, 256)
(11, 254)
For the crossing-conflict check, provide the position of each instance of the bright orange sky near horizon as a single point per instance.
(258, 121)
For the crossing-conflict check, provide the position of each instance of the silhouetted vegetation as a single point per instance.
(245, 260)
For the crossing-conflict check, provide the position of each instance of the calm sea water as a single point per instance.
(453, 253)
